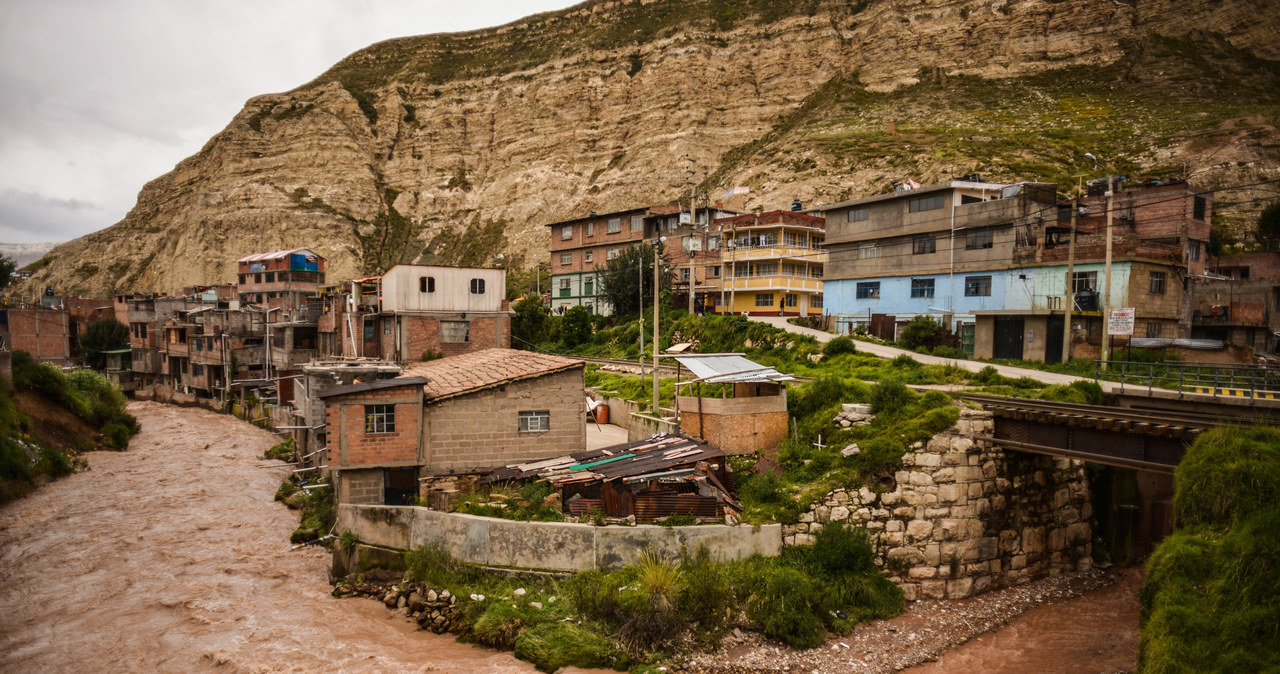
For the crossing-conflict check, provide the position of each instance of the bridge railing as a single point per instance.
(1216, 379)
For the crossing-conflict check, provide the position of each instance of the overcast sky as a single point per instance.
(101, 96)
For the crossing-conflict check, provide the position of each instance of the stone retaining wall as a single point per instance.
(961, 517)
(554, 546)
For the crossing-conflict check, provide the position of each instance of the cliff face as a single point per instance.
(454, 148)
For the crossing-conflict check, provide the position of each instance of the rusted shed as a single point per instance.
(650, 479)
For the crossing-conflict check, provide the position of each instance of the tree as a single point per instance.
(7, 267)
(528, 326)
(1269, 226)
(101, 336)
(627, 274)
(921, 331)
(577, 326)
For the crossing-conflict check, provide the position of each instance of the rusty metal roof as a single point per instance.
(657, 454)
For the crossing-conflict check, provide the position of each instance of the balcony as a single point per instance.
(774, 282)
(752, 253)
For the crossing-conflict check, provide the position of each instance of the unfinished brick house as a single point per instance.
(455, 415)
(413, 312)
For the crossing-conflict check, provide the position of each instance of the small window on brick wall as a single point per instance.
(535, 421)
(379, 418)
(455, 332)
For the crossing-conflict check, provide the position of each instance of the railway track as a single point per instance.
(1115, 418)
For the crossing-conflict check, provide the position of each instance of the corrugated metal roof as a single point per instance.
(643, 457)
(715, 368)
(274, 255)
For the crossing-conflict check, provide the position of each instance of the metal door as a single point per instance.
(1007, 343)
(1053, 341)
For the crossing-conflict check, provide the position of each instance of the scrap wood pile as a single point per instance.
(650, 479)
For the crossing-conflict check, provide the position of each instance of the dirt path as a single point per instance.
(172, 557)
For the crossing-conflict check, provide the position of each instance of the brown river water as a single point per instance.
(173, 557)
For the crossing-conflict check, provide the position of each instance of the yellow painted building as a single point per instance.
(772, 264)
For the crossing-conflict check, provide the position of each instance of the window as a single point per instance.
(923, 245)
(815, 272)
(197, 370)
(1153, 330)
(591, 229)
(790, 299)
(815, 302)
(816, 242)
(684, 274)
(615, 225)
(868, 251)
(477, 286)
(714, 271)
(769, 239)
(1193, 250)
(564, 287)
(932, 203)
(379, 418)
(766, 269)
(637, 223)
(793, 240)
(427, 284)
(788, 269)
(535, 421)
(1084, 280)
(1197, 210)
(566, 258)
(713, 242)
(455, 332)
(588, 287)
(588, 256)
(859, 214)
(566, 232)
(613, 252)
(978, 239)
(977, 286)
(869, 290)
(922, 287)
(764, 299)
(1157, 283)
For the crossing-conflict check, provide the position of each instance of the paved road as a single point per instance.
(884, 351)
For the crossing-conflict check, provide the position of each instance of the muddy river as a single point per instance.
(173, 557)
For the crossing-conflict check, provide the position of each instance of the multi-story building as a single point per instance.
(581, 246)
(415, 312)
(283, 279)
(991, 262)
(1238, 301)
(773, 263)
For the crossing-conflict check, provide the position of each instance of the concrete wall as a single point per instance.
(641, 426)
(554, 546)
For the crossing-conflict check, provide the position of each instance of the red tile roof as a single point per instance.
(456, 375)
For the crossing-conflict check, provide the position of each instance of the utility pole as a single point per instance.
(1106, 299)
(693, 233)
(640, 306)
(656, 302)
(1071, 297)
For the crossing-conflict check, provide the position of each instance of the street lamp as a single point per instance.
(1106, 297)
(657, 262)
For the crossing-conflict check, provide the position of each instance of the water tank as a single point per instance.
(796, 206)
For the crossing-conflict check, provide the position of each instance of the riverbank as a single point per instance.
(933, 630)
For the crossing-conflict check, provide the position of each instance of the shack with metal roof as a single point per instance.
(751, 421)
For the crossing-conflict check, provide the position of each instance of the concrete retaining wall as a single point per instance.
(553, 546)
(643, 426)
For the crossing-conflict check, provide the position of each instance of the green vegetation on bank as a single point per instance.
(644, 613)
(1211, 600)
(29, 452)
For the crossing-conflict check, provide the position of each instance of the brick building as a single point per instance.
(413, 312)
(282, 278)
(454, 415)
(582, 246)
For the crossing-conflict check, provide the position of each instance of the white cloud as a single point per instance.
(101, 97)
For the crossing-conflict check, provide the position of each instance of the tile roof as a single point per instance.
(468, 372)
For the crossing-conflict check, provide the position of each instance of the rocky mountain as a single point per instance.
(454, 148)
(24, 254)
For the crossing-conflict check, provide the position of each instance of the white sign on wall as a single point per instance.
(1120, 321)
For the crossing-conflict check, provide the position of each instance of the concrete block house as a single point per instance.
(456, 415)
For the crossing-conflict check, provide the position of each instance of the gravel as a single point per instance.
(921, 634)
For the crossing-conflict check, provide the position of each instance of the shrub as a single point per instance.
(785, 606)
(595, 597)
(891, 396)
(281, 452)
(839, 347)
(904, 362)
(1227, 474)
(949, 352)
(921, 331)
(652, 609)
(550, 646)
(706, 597)
(880, 454)
(988, 376)
(763, 488)
(841, 549)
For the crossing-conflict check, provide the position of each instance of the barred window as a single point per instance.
(615, 225)
(379, 418)
(535, 421)
(477, 286)
(868, 251)
(427, 284)
(566, 258)
(790, 299)
(637, 223)
(922, 287)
